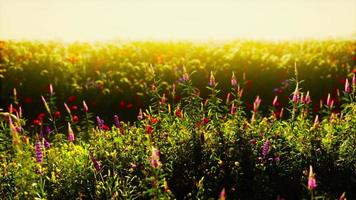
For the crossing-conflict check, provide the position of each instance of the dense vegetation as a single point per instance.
(214, 121)
(114, 78)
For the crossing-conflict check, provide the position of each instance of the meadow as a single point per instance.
(178, 120)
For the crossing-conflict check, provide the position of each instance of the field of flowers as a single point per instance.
(241, 120)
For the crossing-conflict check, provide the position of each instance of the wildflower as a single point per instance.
(45, 104)
(222, 195)
(163, 99)
(95, 162)
(70, 133)
(240, 91)
(75, 118)
(342, 197)
(307, 99)
(233, 80)
(354, 80)
(48, 130)
(50, 89)
(57, 114)
(116, 121)
(38, 151)
(155, 156)
(275, 102)
(46, 143)
(153, 120)
(71, 99)
(185, 76)
(140, 115)
(266, 147)
(295, 98)
(228, 98)
(85, 107)
(253, 141)
(233, 109)
(347, 86)
(256, 104)
(41, 116)
(281, 113)
(329, 101)
(311, 179)
(37, 122)
(205, 120)
(212, 82)
(100, 122)
(122, 104)
(178, 113)
(316, 120)
(67, 108)
(74, 107)
(149, 129)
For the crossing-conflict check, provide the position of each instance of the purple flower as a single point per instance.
(48, 130)
(266, 147)
(100, 122)
(95, 162)
(46, 143)
(38, 150)
(116, 121)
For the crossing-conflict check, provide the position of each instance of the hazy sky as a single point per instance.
(71, 20)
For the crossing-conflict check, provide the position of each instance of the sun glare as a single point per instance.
(93, 20)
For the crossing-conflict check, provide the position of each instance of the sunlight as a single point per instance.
(193, 20)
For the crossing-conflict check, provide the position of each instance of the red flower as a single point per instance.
(122, 104)
(75, 118)
(154, 120)
(149, 129)
(71, 99)
(106, 127)
(205, 120)
(178, 113)
(74, 108)
(57, 114)
(28, 100)
(37, 122)
(130, 105)
(14, 110)
(41, 116)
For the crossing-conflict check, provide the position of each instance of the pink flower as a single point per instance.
(70, 133)
(233, 80)
(232, 109)
(311, 179)
(347, 86)
(222, 195)
(85, 107)
(275, 102)
(212, 82)
(307, 99)
(228, 98)
(295, 98)
(316, 120)
(256, 104)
